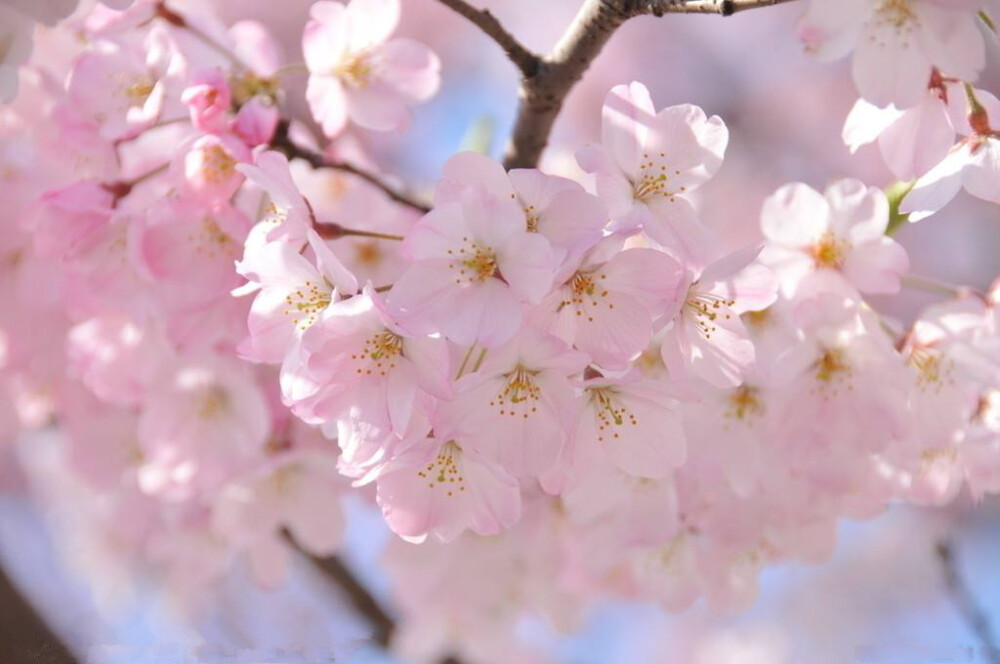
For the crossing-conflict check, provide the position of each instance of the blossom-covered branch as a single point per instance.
(520, 55)
(542, 95)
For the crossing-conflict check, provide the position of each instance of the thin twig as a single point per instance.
(522, 58)
(932, 286)
(543, 94)
(966, 604)
(24, 636)
(284, 143)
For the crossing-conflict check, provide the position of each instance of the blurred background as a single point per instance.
(883, 597)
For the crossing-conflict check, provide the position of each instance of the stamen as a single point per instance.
(445, 471)
(307, 302)
(830, 252)
(611, 413)
(474, 262)
(519, 395)
(706, 309)
(378, 354)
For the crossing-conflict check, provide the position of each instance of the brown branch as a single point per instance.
(24, 636)
(721, 7)
(284, 143)
(966, 604)
(522, 58)
(543, 94)
(362, 600)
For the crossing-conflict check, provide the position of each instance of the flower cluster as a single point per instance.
(914, 64)
(558, 388)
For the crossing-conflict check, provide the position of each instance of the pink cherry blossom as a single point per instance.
(555, 207)
(358, 73)
(842, 230)
(630, 423)
(287, 214)
(914, 140)
(438, 487)
(208, 99)
(607, 305)
(971, 164)
(519, 407)
(208, 167)
(896, 43)
(198, 426)
(707, 339)
(291, 293)
(474, 266)
(362, 376)
(648, 163)
(140, 75)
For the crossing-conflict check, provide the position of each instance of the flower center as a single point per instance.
(356, 70)
(444, 471)
(379, 353)
(138, 88)
(830, 252)
(611, 413)
(307, 302)
(248, 85)
(586, 290)
(217, 164)
(832, 367)
(531, 219)
(654, 178)
(368, 253)
(897, 14)
(744, 403)
(475, 262)
(212, 402)
(757, 319)
(519, 394)
(933, 369)
(706, 309)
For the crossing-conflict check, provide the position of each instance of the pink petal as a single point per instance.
(795, 216)
(627, 114)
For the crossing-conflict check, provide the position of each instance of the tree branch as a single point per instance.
(363, 601)
(24, 636)
(283, 143)
(542, 95)
(721, 7)
(966, 604)
(522, 58)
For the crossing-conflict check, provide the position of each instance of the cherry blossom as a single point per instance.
(896, 43)
(474, 266)
(970, 164)
(608, 303)
(707, 339)
(439, 487)
(649, 162)
(358, 73)
(519, 407)
(842, 230)
(558, 385)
